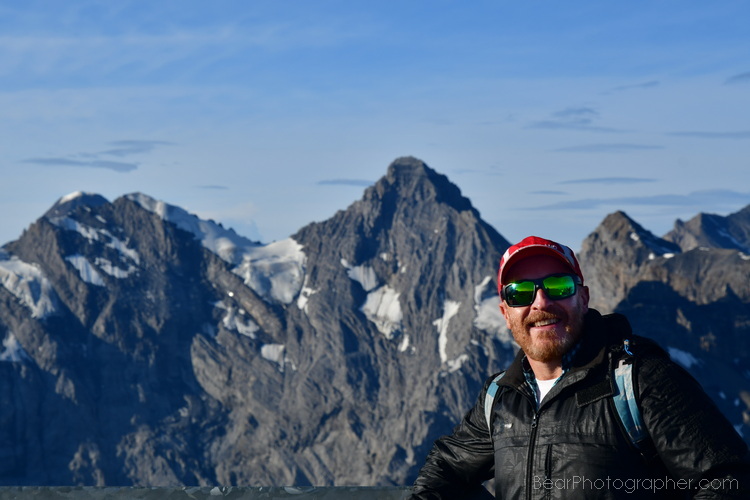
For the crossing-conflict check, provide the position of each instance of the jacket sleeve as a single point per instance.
(694, 440)
(458, 463)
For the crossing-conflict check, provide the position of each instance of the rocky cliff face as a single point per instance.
(144, 346)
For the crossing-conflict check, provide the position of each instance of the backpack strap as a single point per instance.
(625, 400)
(489, 399)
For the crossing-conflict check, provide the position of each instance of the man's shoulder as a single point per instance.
(647, 347)
(609, 326)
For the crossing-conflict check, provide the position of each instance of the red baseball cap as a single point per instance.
(534, 245)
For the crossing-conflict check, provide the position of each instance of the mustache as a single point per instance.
(544, 315)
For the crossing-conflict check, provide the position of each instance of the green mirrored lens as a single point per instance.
(559, 287)
(520, 293)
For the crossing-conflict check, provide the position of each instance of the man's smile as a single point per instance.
(545, 322)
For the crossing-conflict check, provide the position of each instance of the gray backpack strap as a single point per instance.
(626, 403)
(489, 399)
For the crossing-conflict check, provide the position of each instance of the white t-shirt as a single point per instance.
(543, 387)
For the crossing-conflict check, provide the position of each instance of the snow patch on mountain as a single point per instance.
(275, 271)
(13, 351)
(304, 295)
(684, 358)
(86, 271)
(450, 309)
(69, 224)
(70, 197)
(27, 283)
(234, 319)
(405, 344)
(364, 275)
(383, 308)
(116, 272)
(273, 353)
(455, 364)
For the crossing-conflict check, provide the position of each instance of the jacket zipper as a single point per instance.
(530, 456)
(548, 471)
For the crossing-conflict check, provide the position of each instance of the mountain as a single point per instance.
(144, 346)
(688, 290)
(713, 231)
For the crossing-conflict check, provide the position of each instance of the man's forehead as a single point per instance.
(535, 266)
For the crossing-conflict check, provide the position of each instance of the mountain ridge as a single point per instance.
(145, 346)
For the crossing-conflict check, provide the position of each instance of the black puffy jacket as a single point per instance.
(574, 445)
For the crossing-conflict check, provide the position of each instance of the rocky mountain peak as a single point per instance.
(412, 180)
(408, 227)
(69, 203)
(613, 252)
(713, 231)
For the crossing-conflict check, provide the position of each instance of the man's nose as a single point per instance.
(541, 299)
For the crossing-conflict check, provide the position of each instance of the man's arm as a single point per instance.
(458, 463)
(692, 437)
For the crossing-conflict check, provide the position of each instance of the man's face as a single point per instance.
(546, 329)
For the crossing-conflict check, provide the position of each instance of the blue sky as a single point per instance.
(268, 115)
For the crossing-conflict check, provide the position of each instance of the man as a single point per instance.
(550, 427)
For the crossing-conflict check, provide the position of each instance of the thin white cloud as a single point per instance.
(180, 51)
(638, 86)
(95, 160)
(559, 124)
(479, 171)
(130, 147)
(608, 180)
(738, 79)
(345, 182)
(577, 113)
(714, 135)
(549, 192)
(573, 118)
(704, 200)
(117, 166)
(608, 148)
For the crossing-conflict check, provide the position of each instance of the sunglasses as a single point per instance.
(556, 286)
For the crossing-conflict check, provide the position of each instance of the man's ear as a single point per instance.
(584, 291)
(504, 312)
